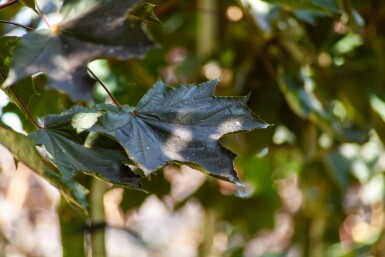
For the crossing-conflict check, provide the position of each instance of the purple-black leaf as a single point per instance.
(71, 154)
(181, 125)
(89, 30)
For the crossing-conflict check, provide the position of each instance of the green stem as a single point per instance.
(207, 27)
(97, 216)
(43, 16)
(9, 3)
(210, 221)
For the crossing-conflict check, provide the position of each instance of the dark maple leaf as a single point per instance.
(181, 125)
(89, 30)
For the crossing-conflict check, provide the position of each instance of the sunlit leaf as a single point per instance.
(87, 32)
(307, 105)
(6, 46)
(181, 124)
(29, 3)
(24, 89)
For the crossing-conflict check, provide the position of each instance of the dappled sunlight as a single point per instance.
(168, 157)
(365, 221)
(366, 160)
(178, 141)
(83, 121)
(229, 126)
(62, 67)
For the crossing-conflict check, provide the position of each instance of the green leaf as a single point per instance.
(182, 125)
(306, 105)
(340, 168)
(29, 3)
(67, 151)
(144, 12)
(23, 90)
(87, 32)
(6, 46)
(23, 148)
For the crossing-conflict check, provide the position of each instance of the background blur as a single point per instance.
(314, 181)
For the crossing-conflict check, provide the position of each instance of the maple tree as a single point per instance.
(105, 88)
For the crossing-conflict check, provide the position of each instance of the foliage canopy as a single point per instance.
(87, 90)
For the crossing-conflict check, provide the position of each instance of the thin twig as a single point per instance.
(25, 108)
(104, 87)
(17, 24)
(9, 3)
(43, 16)
(21, 103)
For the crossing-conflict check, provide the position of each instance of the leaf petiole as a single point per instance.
(105, 88)
(17, 24)
(43, 16)
(25, 108)
(22, 104)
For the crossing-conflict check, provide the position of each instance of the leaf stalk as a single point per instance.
(105, 88)
(43, 16)
(17, 24)
(25, 109)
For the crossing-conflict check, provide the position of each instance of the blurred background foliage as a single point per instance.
(314, 181)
